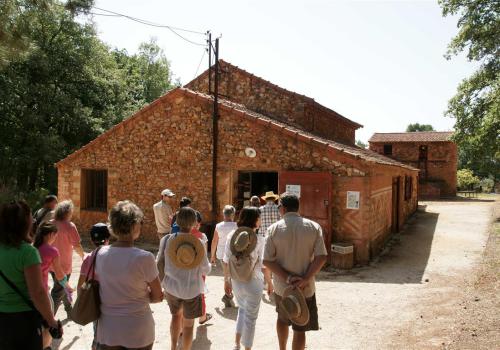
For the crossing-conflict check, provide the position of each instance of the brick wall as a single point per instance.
(441, 164)
(266, 98)
(168, 144)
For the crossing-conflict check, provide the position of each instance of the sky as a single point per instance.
(379, 63)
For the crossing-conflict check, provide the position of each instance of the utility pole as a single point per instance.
(215, 121)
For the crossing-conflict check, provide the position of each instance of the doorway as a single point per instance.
(422, 161)
(254, 183)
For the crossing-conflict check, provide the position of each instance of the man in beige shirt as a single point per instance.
(164, 213)
(294, 252)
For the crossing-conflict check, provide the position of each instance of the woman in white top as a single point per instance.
(222, 230)
(248, 294)
(129, 282)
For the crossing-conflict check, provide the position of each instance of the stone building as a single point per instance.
(432, 152)
(268, 139)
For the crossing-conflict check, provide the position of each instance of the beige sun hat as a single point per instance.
(293, 303)
(270, 194)
(186, 251)
(243, 241)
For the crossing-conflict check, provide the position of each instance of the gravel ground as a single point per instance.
(419, 294)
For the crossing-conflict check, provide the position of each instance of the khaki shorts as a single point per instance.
(312, 325)
(191, 308)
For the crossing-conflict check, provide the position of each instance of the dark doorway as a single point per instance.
(254, 184)
(422, 162)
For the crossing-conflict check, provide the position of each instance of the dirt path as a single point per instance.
(412, 297)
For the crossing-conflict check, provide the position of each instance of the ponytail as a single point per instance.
(43, 231)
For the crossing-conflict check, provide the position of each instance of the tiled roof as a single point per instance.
(301, 135)
(421, 136)
(304, 136)
(307, 99)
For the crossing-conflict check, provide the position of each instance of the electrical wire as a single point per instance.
(199, 64)
(157, 25)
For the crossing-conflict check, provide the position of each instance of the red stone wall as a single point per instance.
(441, 164)
(283, 105)
(168, 144)
(429, 190)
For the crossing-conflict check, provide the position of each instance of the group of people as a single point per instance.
(268, 247)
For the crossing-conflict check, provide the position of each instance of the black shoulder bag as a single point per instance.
(56, 333)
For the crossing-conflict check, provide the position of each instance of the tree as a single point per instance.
(419, 127)
(476, 106)
(63, 91)
(361, 144)
(146, 74)
(466, 180)
(16, 17)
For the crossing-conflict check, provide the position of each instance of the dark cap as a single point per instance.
(99, 233)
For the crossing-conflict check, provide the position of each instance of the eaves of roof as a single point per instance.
(300, 135)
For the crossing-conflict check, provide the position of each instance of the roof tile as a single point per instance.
(419, 136)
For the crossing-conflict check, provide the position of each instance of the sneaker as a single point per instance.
(227, 300)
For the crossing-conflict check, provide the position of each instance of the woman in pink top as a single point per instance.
(66, 241)
(45, 236)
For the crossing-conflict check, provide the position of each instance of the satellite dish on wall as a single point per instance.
(250, 152)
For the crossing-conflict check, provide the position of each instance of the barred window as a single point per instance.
(94, 190)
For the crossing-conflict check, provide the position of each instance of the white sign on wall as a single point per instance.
(293, 189)
(352, 200)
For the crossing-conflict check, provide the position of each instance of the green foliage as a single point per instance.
(419, 127)
(466, 180)
(487, 184)
(476, 106)
(147, 74)
(361, 144)
(65, 89)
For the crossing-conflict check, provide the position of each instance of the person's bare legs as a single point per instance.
(299, 340)
(237, 340)
(175, 329)
(282, 330)
(187, 334)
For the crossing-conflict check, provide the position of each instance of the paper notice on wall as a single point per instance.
(293, 189)
(352, 200)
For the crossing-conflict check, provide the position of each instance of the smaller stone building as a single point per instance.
(432, 152)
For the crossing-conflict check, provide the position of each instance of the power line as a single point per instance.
(148, 23)
(199, 64)
(151, 23)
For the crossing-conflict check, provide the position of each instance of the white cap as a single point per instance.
(167, 192)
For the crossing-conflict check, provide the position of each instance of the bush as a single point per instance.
(487, 184)
(466, 180)
(34, 199)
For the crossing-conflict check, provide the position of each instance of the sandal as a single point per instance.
(208, 317)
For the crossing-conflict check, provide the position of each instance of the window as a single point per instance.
(388, 150)
(408, 187)
(94, 190)
(422, 153)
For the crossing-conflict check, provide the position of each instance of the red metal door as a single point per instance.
(315, 196)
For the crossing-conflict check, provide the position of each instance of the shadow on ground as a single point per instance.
(403, 260)
(201, 340)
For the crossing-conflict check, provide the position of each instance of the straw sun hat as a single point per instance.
(270, 194)
(185, 251)
(293, 303)
(243, 241)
